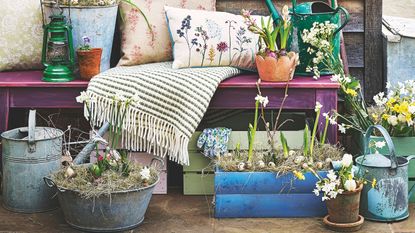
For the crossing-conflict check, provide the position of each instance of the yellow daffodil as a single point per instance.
(374, 183)
(390, 102)
(299, 175)
(375, 116)
(396, 108)
(403, 108)
(385, 116)
(351, 92)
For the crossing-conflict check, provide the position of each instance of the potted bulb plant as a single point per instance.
(89, 59)
(111, 194)
(341, 191)
(273, 62)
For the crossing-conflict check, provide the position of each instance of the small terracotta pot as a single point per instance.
(345, 207)
(277, 70)
(89, 62)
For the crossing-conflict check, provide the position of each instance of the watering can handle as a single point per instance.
(273, 10)
(157, 163)
(386, 136)
(346, 18)
(31, 130)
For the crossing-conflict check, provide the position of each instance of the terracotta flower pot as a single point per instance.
(345, 207)
(276, 70)
(89, 62)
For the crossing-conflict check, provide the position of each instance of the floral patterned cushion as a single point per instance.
(138, 44)
(21, 35)
(203, 38)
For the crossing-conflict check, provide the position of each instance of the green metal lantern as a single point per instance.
(57, 52)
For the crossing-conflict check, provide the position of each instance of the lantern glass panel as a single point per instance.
(57, 52)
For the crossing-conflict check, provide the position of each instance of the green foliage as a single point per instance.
(284, 143)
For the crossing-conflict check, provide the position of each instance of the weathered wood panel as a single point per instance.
(355, 49)
(355, 8)
(373, 48)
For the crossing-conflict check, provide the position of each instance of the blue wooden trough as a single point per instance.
(264, 195)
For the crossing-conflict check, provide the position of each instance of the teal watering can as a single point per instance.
(303, 17)
(388, 201)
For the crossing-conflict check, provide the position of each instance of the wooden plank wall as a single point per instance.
(362, 35)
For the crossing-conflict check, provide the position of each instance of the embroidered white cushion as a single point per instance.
(138, 44)
(205, 38)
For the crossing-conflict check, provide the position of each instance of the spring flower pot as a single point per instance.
(343, 211)
(280, 69)
(118, 211)
(89, 62)
(266, 195)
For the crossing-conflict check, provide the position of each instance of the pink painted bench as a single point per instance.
(24, 89)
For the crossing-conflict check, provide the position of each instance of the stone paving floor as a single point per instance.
(175, 213)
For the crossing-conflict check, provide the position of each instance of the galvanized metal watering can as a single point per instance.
(303, 17)
(388, 201)
(29, 154)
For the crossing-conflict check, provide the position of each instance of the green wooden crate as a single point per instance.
(196, 183)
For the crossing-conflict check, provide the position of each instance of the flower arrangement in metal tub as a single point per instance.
(112, 188)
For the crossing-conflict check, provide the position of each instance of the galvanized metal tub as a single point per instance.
(26, 160)
(120, 211)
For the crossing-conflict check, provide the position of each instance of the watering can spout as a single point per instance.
(273, 10)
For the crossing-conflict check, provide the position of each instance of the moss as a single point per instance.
(110, 181)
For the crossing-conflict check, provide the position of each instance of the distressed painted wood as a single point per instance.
(26, 90)
(263, 194)
(262, 183)
(269, 206)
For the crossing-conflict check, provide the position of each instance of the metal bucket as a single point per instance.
(119, 211)
(96, 22)
(389, 200)
(29, 154)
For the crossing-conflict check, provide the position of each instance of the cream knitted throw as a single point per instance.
(171, 104)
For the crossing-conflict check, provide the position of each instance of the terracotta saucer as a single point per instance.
(344, 227)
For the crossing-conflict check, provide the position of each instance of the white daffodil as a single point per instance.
(380, 144)
(411, 109)
(380, 99)
(331, 175)
(347, 160)
(262, 100)
(401, 118)
(145, 173)
(350, 185)
(318, 106)
(316, 192)
(342, 128)
(83, 97)
(393, 120)
(335, 78)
